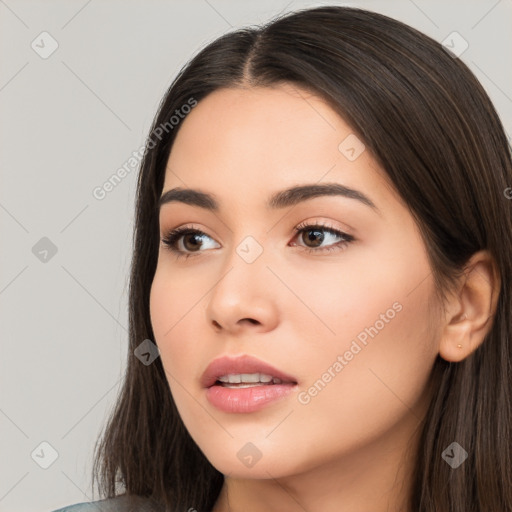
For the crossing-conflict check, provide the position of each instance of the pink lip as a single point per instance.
(248, 399)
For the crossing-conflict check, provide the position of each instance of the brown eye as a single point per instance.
(191, 241)
(185, 241)
(315, 237)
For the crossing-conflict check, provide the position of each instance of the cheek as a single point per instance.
(337, 300)
(373, 372)
(171, 303)
(377, 296)
(175, 304)
(367, 344)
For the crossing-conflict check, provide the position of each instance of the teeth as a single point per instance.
(248, 378)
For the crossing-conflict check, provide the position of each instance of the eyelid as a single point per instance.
(315, 222)
(327, 225)
(175, 235)
(346, 238)
(181, 231)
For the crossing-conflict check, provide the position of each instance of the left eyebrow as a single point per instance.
(281, 199)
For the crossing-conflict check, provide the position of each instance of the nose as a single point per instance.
(244, 297)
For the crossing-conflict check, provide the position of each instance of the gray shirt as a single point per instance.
(123, 503)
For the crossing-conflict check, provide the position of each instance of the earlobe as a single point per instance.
(456, 344)
(470, 313)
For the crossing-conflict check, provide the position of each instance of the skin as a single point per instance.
(352, 446)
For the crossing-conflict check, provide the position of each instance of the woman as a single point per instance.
(322, 257)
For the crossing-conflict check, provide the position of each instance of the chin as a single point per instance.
(245, 462)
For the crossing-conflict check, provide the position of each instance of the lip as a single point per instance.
(242, 364)
(249, 399)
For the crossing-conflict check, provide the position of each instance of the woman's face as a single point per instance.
(345, 316)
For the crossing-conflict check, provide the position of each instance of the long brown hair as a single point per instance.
(430, 125)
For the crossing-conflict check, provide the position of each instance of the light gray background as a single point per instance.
(68, 122)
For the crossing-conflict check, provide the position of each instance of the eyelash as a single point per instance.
(175, 234)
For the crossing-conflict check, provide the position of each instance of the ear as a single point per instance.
(470, 312)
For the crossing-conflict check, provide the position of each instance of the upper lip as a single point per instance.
(242, 364)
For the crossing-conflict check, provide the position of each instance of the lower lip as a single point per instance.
(242, 400)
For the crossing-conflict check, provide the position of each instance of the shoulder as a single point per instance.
(123, 503)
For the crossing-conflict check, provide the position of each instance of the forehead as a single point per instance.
(258, 125)
(249, 141)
